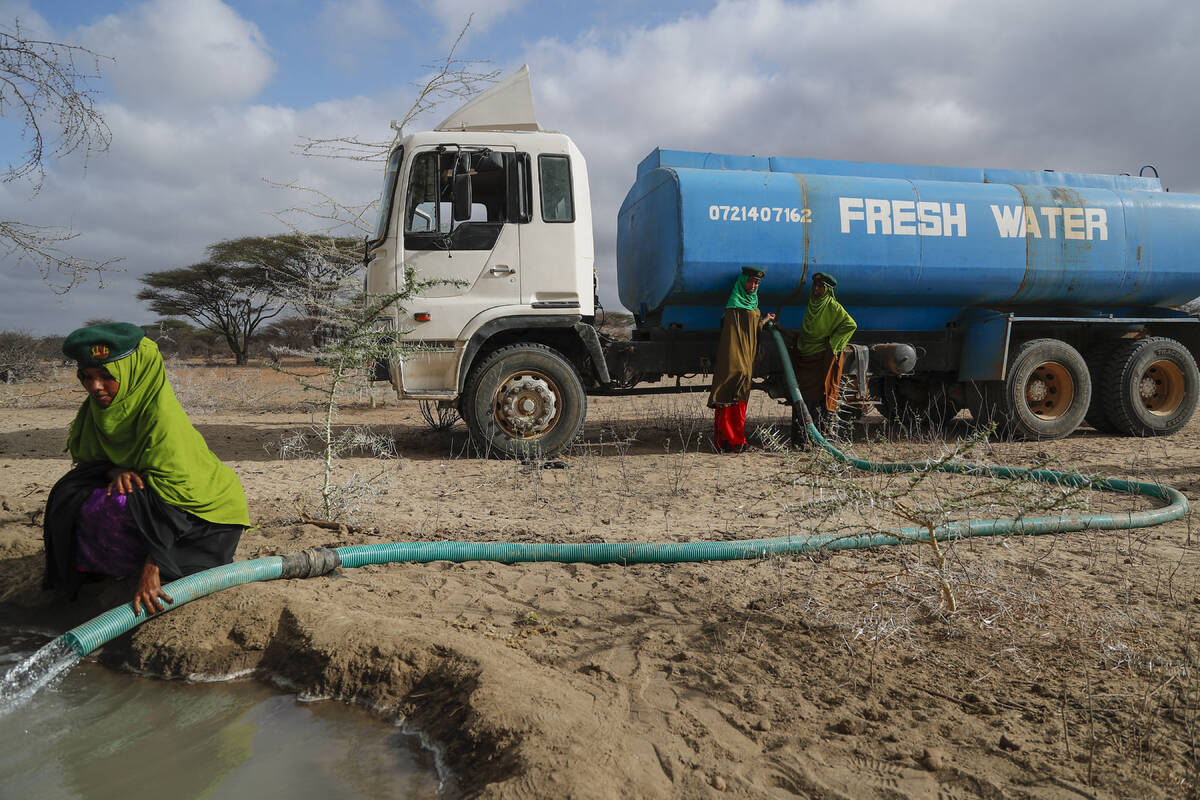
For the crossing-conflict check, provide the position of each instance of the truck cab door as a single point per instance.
(463, 267)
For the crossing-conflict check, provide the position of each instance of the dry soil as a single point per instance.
(1045, 667)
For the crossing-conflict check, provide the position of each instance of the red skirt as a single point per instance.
(729, 427)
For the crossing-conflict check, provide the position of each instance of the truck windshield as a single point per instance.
(389, 191)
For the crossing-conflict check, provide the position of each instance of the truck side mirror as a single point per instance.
(462, 197)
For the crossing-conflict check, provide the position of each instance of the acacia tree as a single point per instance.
(307, 272)
(227, 299)
(45, 84)
(245, 282)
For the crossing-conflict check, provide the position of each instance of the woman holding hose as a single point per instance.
(824, 334)
(734, 369)
(146, 497)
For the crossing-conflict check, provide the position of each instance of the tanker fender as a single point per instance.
(985, 336)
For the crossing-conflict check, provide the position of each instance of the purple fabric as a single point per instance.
(107, 540)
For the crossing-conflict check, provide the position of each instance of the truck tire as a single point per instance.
(1098, 358)
(1045, 395)
(1150, 387)
(524, 401)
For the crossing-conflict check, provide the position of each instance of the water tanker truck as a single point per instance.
(1038, 300)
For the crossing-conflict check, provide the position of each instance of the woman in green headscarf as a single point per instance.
(734, 369)
(146, 497)
(824, 334)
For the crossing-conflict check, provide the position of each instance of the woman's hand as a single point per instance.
(123, 481)
(768, 319)
(149, 591)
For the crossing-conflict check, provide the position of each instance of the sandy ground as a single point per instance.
(1042, 667)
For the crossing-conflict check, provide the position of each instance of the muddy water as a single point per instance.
(99, 734)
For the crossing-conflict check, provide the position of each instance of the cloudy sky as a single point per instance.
(207, 101)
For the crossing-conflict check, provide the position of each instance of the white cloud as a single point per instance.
(180, 54)
(354, 29)
(171, 186)
(453, 14)
(33, 24)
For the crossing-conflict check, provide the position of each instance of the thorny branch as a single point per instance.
(451, 78)
(45, 84)
(40, 244)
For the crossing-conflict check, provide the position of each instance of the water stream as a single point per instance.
(95, 733)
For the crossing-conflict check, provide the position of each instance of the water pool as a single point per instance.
(96, 733)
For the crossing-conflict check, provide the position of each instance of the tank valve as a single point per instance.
(895, 357)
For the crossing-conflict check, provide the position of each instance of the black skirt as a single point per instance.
(179, 543)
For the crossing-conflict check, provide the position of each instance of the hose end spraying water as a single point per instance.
(34, 673)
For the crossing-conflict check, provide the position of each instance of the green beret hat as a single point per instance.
(100, 344)
(828, 280)
(754, 272)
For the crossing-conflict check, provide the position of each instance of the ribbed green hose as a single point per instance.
(87, 637)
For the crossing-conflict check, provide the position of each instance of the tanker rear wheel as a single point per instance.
(1150, 387)
(524, 401)
(1045, 395)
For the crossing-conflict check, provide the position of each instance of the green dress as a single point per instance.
(192, 512)
(824, 334)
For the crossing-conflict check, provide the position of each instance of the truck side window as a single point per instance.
(429, 220)
(424, 212)
(557, 203)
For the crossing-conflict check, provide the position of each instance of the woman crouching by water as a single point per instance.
(146, 497)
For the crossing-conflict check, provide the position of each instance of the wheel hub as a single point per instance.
(526, 405)
(1050, 390)
(1161, 388)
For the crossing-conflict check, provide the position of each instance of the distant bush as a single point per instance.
(290, 333)
(178, 339)
(25, 357)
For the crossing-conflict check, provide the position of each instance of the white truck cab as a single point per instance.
(491, 217)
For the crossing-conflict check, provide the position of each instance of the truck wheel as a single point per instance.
(524, 401)
(1046, 393)
(1098, 359)
(1150, 387)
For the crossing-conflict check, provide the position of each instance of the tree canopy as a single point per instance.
(245, 282)
(226, 299)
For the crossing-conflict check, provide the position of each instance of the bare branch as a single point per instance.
(451, 78)
(45, 84)
(347, 147)
(40, 244)
(454, 78)
(332, 213)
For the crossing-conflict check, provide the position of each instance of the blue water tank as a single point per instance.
(911, 247)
